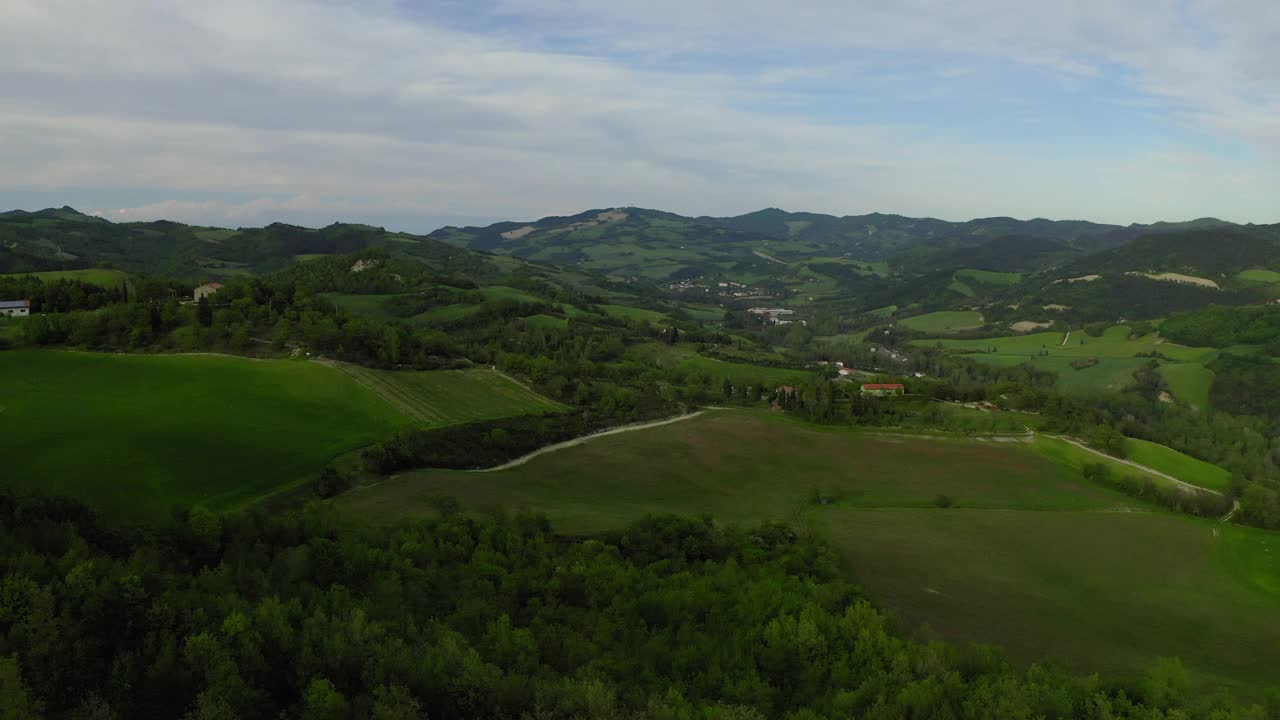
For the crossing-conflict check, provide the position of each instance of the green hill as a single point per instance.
(1027, 554)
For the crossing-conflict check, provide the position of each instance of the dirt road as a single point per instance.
(578, 441)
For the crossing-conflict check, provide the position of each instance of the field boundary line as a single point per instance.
(580, 440)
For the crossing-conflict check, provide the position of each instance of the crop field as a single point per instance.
(95, 276)
(989, 277)
(446, 397)
(137, 434)
(684, 357)
(1031, 557)
(945, 321)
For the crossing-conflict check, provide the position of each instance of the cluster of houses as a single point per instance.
(775, 316)
(725, 289)
(22, 308)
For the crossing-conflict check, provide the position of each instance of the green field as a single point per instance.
(94, 276)
(447, 397)
(684, 357)
(1115, 351)
(1031, 558)
(546, 322)
(959, 286)
(989, 277)
(626, 311)
(945, 321)
(1114, 342)
(1182, 466)
(1189, 382)
(1266, 277)
(370, 306)
(137, 434)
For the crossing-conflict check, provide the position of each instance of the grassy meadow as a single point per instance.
(137, 434)
(1031, 557)
(989, 277)
(945, 321)
(93, 276)
(1115, 352)
(1180, 465)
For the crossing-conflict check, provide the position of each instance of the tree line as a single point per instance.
(300, 615)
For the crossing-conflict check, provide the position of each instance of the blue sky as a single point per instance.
(419, 114)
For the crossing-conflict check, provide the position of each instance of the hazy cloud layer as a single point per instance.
(244, 112)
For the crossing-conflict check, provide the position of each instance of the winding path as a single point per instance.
(580, 440)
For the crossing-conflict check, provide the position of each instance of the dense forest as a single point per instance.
(298, 615)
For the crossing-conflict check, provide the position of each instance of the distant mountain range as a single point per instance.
(767, 245)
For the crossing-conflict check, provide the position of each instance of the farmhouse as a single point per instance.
(15, 308)
(207, 289)
(883, 389)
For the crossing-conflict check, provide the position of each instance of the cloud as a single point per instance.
(327, 110)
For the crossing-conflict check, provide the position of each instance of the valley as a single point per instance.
(1039, 437)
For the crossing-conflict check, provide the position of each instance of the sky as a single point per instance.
(418, 114)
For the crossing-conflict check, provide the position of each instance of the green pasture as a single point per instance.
(546, 322)
(138, 434)
(1115, 351)
(1180, 465)
(945, 321)
(684, 357)
(989, 277)
(94, 276)
(1259, 276)
(632, 313)
(1188, 382)
(447, 397)
(1030, 557)
(370, 306)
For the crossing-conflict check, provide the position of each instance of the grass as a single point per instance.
(1255, 275)
(446, 397)
(633, 313)
(546, 322)
(95, 276)
(684, 357)
(134, 435)
(1032, 558)
(1182, 466)
(945, 321)
(1189, 382)
(1115, 351)
(989, 277)
(961, 288)
(370, 306)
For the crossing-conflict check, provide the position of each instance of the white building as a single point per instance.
(15, 308)
(207, 289)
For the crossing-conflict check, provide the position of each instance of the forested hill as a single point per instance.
(1213, 253)
(867, 237)
(65, 239)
